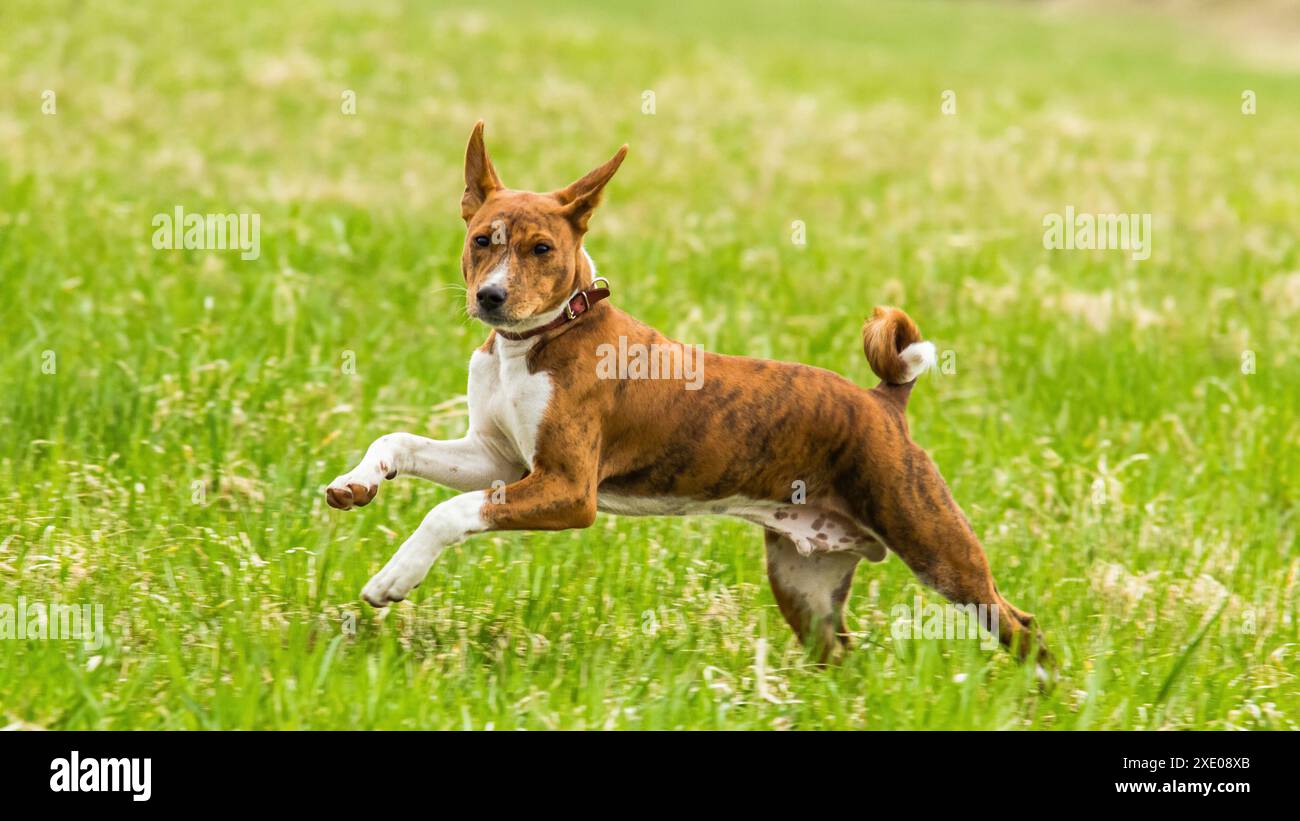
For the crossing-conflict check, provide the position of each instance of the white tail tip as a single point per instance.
(920, 357)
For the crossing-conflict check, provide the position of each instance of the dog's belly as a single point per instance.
(813, 529)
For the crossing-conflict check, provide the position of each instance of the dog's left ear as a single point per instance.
(581, 198)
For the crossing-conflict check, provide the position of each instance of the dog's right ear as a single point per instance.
(480, 177)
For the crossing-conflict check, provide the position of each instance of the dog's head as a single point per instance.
(523, 254)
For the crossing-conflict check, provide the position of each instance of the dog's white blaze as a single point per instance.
(795, 521)
(500, 274)
(920, 357)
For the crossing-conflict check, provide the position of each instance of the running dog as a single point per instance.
(827, 468)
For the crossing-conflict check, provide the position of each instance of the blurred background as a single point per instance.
(1121, 433)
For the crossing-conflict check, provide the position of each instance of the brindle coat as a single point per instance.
(753, 431)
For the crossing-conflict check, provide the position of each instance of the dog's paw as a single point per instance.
(400, 576)
(357, 488)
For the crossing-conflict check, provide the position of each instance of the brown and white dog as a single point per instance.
(826, 468)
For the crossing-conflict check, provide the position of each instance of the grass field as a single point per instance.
(168, 419)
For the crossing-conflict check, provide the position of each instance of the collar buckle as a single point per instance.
(586, 300)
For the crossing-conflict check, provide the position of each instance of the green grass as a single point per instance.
(171, 468)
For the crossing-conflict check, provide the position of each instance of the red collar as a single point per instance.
(577, 305)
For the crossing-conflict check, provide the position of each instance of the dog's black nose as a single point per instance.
(491, 297)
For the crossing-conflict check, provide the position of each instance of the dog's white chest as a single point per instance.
(506, 402)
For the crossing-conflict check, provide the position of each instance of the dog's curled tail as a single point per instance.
(894, 348)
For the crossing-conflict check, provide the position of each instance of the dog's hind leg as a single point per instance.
(811, 590)
(911, 507)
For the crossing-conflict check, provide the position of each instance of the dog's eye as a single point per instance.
(541, 248)
(482, 241)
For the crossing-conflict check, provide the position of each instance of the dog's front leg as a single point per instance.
(540, 501)
(461, 464)
(446, 524)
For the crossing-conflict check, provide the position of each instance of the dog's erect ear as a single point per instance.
(582, 197)
(480, 177)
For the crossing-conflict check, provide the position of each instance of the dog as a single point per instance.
(827, 468)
